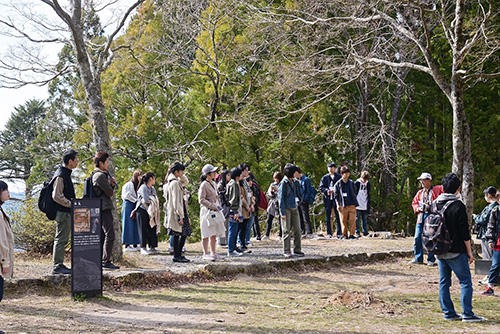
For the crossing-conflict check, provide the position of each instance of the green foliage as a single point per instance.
(33, 232)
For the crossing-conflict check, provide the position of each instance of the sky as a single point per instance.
(11, 98)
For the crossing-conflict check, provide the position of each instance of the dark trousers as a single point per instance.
(107, 235)
(256, 227)
(179, 242)
(270, 219)
(242, 232)
(1, 288)
(147, 234)
(328, 216)
(305, 220)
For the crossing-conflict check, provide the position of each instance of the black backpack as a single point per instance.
(46, 203)
(435, 236)
(88, 187)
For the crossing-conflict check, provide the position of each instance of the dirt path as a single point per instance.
(377, 298)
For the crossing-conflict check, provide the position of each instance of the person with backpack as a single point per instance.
(456, 253)
(421, 205)
(6, 240)
(326, 188)
(103, 187)
(481, 221)
(289, 197)
(362, 187)
(305, 220)
(62, 194)
(493, 236)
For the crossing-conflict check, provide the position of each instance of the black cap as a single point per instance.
(490, 191)
(331, 164)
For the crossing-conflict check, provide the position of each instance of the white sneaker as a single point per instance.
(128, 249)
(278, 239)
(208, 257)
(135, 249)
(144, 251)
(265, 237)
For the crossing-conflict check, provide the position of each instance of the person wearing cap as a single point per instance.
(208, 199)
(481, 223)
(421, 205)
(326, 188)
(62, 195)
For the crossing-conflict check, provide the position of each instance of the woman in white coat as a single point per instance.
(6, 240)
(211, 216)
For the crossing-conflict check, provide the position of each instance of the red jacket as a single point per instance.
(418, 200)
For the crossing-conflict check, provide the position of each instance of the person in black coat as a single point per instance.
(326, 188)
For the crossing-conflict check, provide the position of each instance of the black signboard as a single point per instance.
(86, 248)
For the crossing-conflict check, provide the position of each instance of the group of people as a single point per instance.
(446, 198)
(229, 204)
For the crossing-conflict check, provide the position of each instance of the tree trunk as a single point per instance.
(361, 120)
(462, 152)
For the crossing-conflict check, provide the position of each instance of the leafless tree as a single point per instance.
(470, 29)
(60, 22)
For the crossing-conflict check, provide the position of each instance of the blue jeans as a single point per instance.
(495, 268)
(362, 219)
(248, 231)
(232, 235)
(418, 248)
(460, 266)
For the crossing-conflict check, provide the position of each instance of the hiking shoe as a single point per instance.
(473, 318)
(431, 264)
(61, 270)
(299, 254)
(180, 260)
(110, 266)
(153, 250)
(456, 317)
(171, 251)
(287, 255)
(414, 261)
(488, 292)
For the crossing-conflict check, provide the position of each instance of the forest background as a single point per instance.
(267, 83)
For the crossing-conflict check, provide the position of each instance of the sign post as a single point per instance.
(86, 248)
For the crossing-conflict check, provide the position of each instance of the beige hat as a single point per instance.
(425, 176)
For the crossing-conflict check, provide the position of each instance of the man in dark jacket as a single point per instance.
(493, 237)
(62, 195)
(459, 256)
(305, 220)
(326, 188)
(346, 198)
(104, 187)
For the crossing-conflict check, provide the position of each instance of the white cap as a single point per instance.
(208, 168)
(425, 176)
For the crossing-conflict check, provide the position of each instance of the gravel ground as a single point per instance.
(37, 267)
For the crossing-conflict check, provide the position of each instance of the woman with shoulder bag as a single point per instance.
(146, 197)
(178, 224)
(211, 216)
(6, 240)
